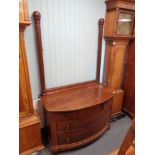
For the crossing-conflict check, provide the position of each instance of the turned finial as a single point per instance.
(37, 16)
(101, 21)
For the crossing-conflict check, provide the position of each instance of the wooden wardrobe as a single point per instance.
(29, 121)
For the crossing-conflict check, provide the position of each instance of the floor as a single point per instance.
(111, 140)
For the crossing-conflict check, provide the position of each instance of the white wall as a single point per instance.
(69, 34)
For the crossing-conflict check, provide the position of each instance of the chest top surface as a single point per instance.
(77, 98)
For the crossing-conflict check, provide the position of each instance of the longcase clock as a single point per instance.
(119, 29)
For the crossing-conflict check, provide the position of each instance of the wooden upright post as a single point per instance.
(100, 35)
(37, 17)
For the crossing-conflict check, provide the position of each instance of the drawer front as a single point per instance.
(78, 123)
(90, 111)
(107, 111)
(67, 115)
(78, 135)
(78, 114)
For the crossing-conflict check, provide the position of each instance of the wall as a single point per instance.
(69, 31)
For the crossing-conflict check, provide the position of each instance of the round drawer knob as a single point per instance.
(67, 140)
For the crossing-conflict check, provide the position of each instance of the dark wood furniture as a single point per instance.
(76, 114)
(29, 122)
(129, 81)
(119, 27)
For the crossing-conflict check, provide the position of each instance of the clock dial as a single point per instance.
(124, 23)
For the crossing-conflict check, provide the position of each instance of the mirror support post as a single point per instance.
(37, 17)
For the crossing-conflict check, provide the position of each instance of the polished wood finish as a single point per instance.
(117, 101)
(37, 18)
(29, 122)
(101, 23)
(23, 13)
(116, 48)
(113, 70)
(77, 116)
(114, 63)
(114, 8)
(70, 86)
(29, 135)
(111, 19)
(123, 4)
(129, 81)
(76, 98)
(25, 96)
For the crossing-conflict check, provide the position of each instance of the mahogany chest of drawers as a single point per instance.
(77, 117)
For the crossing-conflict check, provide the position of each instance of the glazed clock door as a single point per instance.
(25, 102)
(125, 21)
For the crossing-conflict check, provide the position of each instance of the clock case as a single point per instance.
(116, 50)
(113, 11)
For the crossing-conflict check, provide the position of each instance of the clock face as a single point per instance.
(124, 23)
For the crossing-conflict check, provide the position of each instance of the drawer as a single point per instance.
(107, 111)
(66, 115)
(76, 124)
(78, 135)
(79, 113)
(90, 111)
